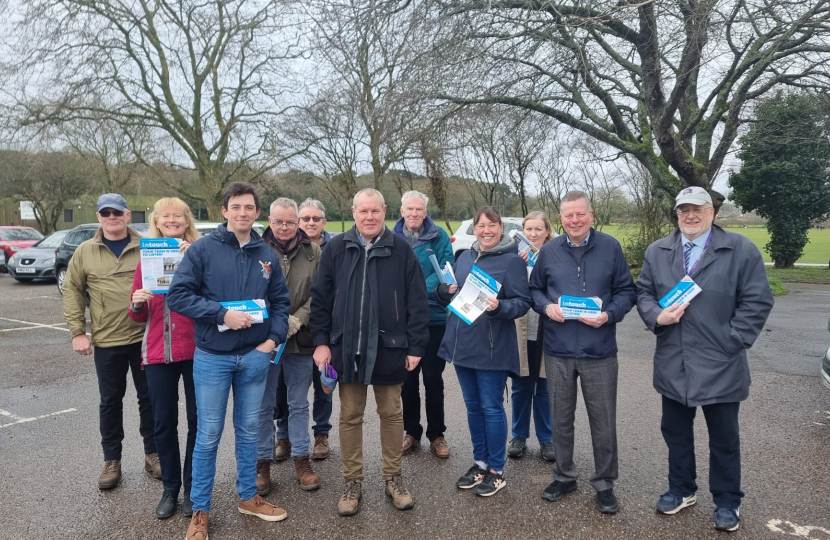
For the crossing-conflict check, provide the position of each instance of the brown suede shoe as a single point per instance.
(440, 448)
(152, 465)
(321, 446)
(198, 529)
(263, 477)
(349, 502)
(262, 509)
(111, 474)
(401, 497)
(282, 450)
(410, 444)
(309, 481)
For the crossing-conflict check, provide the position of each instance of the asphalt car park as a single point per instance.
(50, 454)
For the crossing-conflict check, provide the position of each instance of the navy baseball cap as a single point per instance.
(112, 200)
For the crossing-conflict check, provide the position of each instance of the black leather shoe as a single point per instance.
(556, 490)
(167, 504)
(607, 502)
(187, 504)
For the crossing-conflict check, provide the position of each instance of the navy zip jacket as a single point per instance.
(216, 269)
(490, 342)
(603, 272)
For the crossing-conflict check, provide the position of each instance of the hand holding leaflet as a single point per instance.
(253, 308)
(471, 302)
(682, 293)
(525, 246)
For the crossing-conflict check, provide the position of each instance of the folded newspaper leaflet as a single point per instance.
(254, 308)
(278, 352)
(525, 246)
(160, 258)
(471, 301)
(683, 292)
(446, 276)
(574, 307)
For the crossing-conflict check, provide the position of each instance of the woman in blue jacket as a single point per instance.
(486, 351)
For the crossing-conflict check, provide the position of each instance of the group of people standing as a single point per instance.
(367, 308)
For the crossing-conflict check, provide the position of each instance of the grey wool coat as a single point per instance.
(702, 359)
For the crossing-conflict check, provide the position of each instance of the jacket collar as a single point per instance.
(303, 240)
(505, 245)
(227, 237)
(383, 240)
(670, 245)
(98, 238)
(429, 232)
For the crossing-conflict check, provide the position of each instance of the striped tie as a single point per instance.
(687, 253)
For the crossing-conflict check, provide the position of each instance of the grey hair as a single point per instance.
(414, 195)
(368, 191)
(573, 196)
(284, 202)
(313, 203)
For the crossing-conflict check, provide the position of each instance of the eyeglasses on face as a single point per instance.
(315, 219)
(107, 212)
(698, 211)
(280, 223)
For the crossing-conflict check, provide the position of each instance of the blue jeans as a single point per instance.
(295, 370)
(320, 409)
(525, 398)
(213, 376)
(483, 392)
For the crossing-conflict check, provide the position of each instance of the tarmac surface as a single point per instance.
(50, 454)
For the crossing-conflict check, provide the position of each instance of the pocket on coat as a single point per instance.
(393, 341)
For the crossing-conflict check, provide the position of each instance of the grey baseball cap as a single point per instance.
(693, 195)
(112, 200)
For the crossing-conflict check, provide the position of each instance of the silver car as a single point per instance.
(37, 261)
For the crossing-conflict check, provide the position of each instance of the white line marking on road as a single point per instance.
(21, 420)
(801, 531)
(56, 326)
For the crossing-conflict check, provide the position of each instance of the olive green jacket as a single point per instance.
(94, 268)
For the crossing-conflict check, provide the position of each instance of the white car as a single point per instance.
(205, 228)
(463, 238)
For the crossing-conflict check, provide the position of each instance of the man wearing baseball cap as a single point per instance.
(700, 358)
(104, 266)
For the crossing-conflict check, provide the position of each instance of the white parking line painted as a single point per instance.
(801, 531)
(21, 420)
(56, 326)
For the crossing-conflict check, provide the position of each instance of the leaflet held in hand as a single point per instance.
(254, 308)
(683, 292)
(446, 276)
(471, 301)
(574, 307)
(160, 258)
(525, 246)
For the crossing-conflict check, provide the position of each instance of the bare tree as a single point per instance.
(210, 77)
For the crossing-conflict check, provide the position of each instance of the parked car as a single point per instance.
(825, 363)
(70, 243)
(463, 238)
(141, 228)
(38, 261)
(13, 239)
(205, 227)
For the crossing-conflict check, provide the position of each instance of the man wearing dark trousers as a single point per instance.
(426, 238)
(104, 267)
(700, 358)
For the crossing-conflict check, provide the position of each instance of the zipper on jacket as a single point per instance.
(455, 346)
(490, 331)
(397, 316)
(285, 266)
(167, 333)
(362, 301)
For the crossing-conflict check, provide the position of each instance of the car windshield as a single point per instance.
(53, 240)
(20, 234)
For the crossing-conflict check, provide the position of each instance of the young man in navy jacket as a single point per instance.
(232, 263)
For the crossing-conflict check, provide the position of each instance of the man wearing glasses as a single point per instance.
(298, 257)
(104, 265)
(313, 221)
(700, 358)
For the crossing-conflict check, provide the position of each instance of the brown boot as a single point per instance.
(263, 477)
(198, 529)
(349, 503)
(111, 474)
(152, 465)
(401, 497)
(309, 481)
(440, 448)
(282, 450)
(321, 446)
(262, 509)
(410, 444)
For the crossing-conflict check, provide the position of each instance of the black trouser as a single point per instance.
(677, 426)
(163, 382)
(111, 366)
(433, 369)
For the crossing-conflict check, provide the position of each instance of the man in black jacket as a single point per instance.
(369, 319)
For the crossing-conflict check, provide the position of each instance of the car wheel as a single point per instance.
(61, 275)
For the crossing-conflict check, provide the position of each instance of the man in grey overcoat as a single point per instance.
(700, 358)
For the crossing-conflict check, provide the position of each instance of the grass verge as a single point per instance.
(801, 274)
(777, 287)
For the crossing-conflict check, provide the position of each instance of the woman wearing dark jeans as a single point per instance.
(167, 356)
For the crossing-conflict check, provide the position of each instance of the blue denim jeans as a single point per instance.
(320, 408)
(214, 376)
(529, 395)
(296, 372)
(483, 392)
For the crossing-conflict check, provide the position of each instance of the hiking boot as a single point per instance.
(282, 450)
(263, 477)
(727, 519)
(491, 484)
(556, 490)
(187, 503)
(309, 481)
(440, 448)
(321, 446)
(471, 478)
(262, 509)
(516, 448)
(607, 502)
(349, 502)
(546, 449)
(410, 444)
(198, 529)
(401, 497)
(167, 505)
(670, 504)
(152, 465)
(111, 474)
